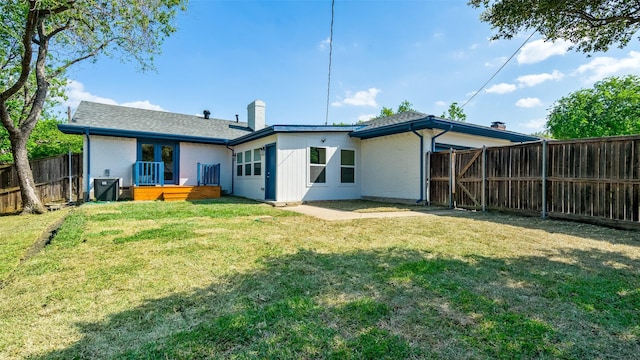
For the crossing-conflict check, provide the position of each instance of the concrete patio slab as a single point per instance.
(333, 215)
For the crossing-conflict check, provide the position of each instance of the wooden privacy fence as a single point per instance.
(593, 180)
(51, 176)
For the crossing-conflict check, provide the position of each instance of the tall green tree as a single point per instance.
(611, 107)
(41, 39)
(45, 141)
(385, 111)
(592, 25)
(455, 112)
(405, 106)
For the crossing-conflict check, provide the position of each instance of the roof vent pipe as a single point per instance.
(206, 114)
(237, 118)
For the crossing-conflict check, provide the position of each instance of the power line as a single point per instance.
(326, 119)
(500, 69)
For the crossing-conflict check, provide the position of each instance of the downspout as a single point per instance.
(86, 132)
(233, 169)
(421, 164)
(433, 139)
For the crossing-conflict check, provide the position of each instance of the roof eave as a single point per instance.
(417, 124)
(478, 130)
(79, 129)
(432, 122)
(275, 129)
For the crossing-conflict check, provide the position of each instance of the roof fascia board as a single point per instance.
(275, 129)
(477, 130)
(418, 124)
(75, 129)
(434, 123)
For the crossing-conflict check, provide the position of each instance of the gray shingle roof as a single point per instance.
(412, 120)
(394, 119)
(95, 115)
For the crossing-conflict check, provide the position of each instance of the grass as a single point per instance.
(235, 279)
(18, 233)
(364, 206)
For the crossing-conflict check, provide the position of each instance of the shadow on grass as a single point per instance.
(225, 200)
(388, 304)
(225, 207)
(368, 206)
(566, 227)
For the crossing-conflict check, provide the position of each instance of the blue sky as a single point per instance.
(226, 54)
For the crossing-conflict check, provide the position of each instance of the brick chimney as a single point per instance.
(499, 125)
(255, 115)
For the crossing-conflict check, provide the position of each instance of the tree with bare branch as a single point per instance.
(41, 39)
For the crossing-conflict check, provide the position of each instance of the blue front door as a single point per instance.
(270, 174)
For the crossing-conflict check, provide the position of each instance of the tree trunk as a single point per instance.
(31, 204)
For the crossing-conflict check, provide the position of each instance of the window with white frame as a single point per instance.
(347, 166)
(247, 163)
(317, 165)
(257, 163)
(239, 164)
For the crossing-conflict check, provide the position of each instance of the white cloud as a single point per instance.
(324, 44)
(441, 103)
(535, 125)
(366, 117)
(528, 102)
(143, 104)
(360, 98)
(438, 35)
(75, 92)
(474, 46)
(539, 50)
(601, 67)
(502, 88)
(496, 62)
(536, 79)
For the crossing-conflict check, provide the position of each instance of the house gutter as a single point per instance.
(421, 164)
(233, 169)
(86, 132)
(433, 139)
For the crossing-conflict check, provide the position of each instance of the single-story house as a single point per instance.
(382, 158)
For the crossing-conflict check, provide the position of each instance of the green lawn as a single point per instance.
(18, 234)
(236, 279)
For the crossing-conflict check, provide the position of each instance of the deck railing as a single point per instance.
(148, 173)
(208, 174)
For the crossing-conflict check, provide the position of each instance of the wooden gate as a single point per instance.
(506, 177)
(455, 178)
(467, 179)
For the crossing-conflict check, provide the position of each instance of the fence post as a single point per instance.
(484, 178)
(451, 167)
(428, 192)
(69, 167)
(544, 179)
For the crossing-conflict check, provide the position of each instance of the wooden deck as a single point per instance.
(175, 192)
